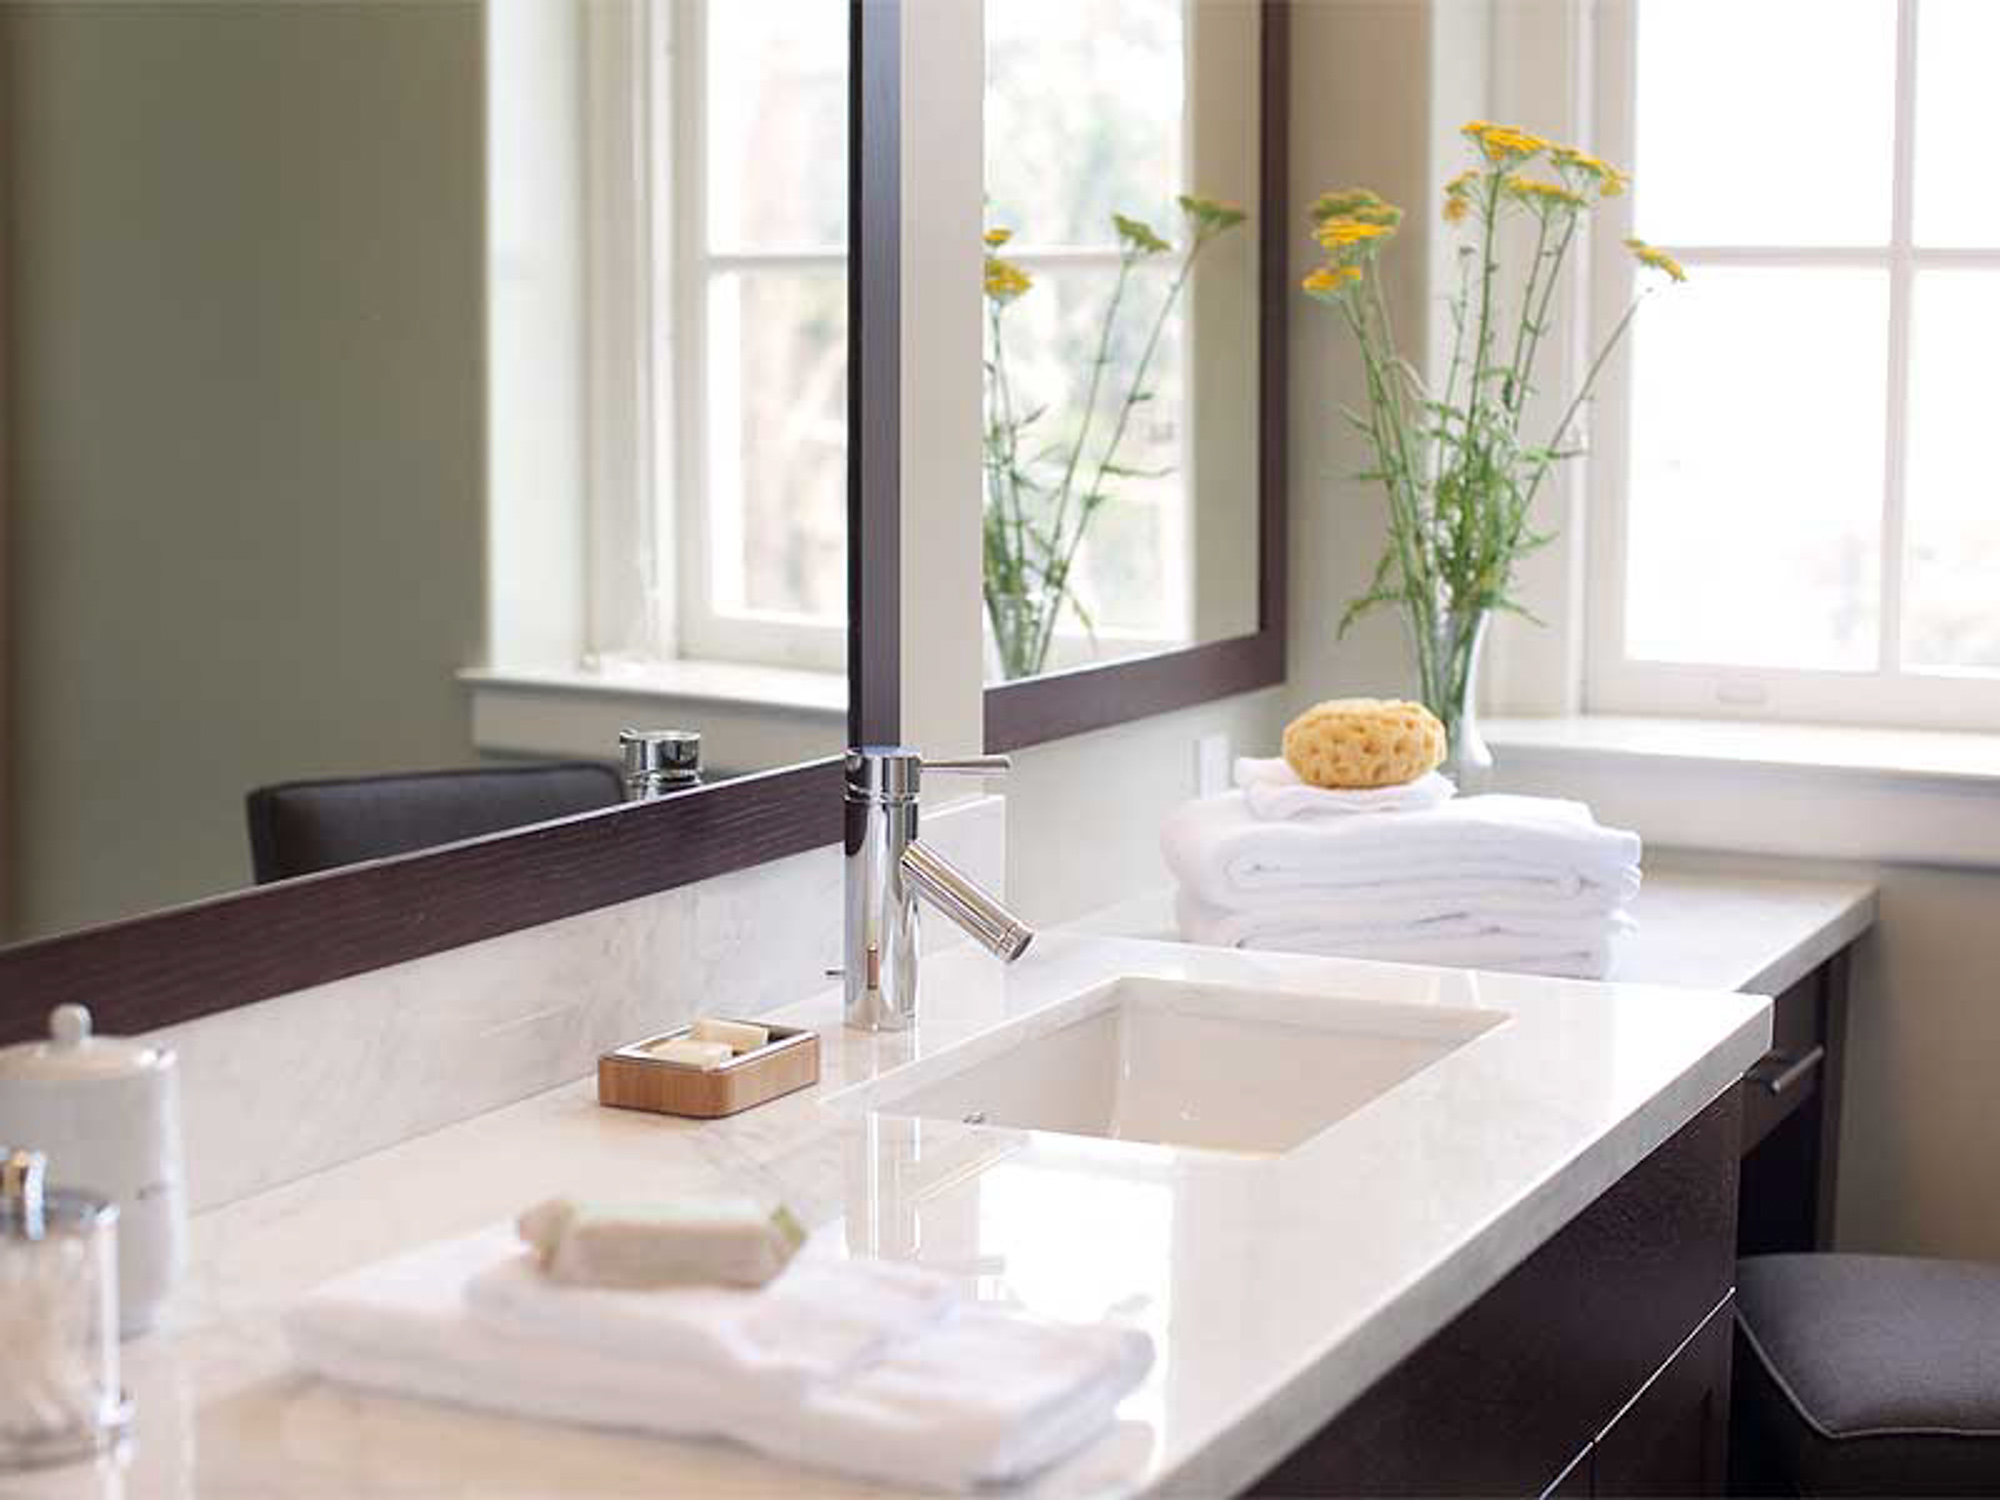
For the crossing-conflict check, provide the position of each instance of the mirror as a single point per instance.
(422, 392)
(1122, 480)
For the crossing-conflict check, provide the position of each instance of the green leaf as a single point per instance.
(1139, 235)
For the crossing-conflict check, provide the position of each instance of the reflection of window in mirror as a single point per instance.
(1096, 108)
(670, 309)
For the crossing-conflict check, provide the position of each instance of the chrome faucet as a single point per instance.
(888, 867)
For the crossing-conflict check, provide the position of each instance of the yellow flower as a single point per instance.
(1655, 259)
(1609, 180)
(1328, 280)
(1503, 143)
(1458, 195)
(1004, 280)
(1359, 204)
(1532, 190)
(995, 238)
(1338, 234)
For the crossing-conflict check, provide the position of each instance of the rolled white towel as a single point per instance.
(1228, 857)
(1273, 791)
(1582, 950)
(976, 1398)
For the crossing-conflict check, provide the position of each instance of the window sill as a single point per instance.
(1881, 754)
(750, 717)
(1813, 790)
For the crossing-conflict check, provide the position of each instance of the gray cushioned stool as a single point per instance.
(1867, 1375)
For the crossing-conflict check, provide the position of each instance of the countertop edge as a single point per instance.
(1307, 1399)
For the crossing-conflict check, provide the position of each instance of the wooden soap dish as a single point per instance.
(633, 1078)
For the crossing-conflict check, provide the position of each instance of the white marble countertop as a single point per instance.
(1277, 1289)
(1702, 925)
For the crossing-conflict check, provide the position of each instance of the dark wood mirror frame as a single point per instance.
(212, 955)
(1059, 704)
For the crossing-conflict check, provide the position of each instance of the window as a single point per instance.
(1790, 462)
(716, 140)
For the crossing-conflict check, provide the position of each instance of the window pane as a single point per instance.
(1753, 534)
(1084, 102)
(1133, 572)
(1951, 611)
(1957, 41)
(777, 124)
(777, 455)
(1764, 121)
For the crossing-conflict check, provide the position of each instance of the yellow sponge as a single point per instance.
(1364, 742)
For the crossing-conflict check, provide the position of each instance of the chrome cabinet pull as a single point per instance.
(1792, 1071)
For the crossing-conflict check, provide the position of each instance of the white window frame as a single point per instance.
(645, 106)
(1889, 693)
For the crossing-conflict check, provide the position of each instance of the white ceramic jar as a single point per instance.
(107, 1110)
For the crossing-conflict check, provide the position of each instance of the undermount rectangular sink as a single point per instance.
(1181, 1064)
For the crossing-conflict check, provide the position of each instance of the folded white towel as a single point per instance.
(1228, 857)
(1572, 947)
(983, 1398)
(1273, 791)
(978, 1397)
(819, 1320)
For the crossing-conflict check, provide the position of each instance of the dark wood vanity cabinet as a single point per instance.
(1598, 1366)
(1791, 1118)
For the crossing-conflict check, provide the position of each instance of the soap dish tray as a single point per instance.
(633, 1078)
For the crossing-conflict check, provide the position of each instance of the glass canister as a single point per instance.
(59, 1393)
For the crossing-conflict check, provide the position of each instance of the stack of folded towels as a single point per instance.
(698, 1321)
(1352, 844)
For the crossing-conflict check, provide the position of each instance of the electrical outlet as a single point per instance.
(1211, 765)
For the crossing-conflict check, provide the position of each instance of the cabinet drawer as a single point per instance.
(1503, 1399)
(1792, 1072)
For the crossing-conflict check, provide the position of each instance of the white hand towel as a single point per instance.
(402, 1326)
(985, 1397)
(1581, 955)
(1496, 901)
(821, 1318)
(1367, 921)
(1273, 791)
(1219, 850)
(958, 1405)
(1574, 948)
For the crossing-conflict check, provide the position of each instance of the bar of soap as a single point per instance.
(714, 1241)
(693, 1053)
(740, 1035)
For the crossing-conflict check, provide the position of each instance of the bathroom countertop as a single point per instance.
(1703, 924)
(1277, 1289)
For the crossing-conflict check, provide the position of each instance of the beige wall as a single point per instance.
(247, 415)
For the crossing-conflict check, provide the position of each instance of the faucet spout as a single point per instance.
(887, 869)
(976, 910)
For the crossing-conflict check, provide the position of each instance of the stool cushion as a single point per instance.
(1873, 1375)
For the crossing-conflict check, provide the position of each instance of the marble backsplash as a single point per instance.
(291, 1085)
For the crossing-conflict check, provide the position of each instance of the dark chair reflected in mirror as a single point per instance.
(303, 827)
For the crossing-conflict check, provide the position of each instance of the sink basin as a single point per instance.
(1175, 1063)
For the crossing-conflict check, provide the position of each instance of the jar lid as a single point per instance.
(73, 1052)
(31, 1211)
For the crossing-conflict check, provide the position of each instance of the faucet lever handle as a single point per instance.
(973, 765)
